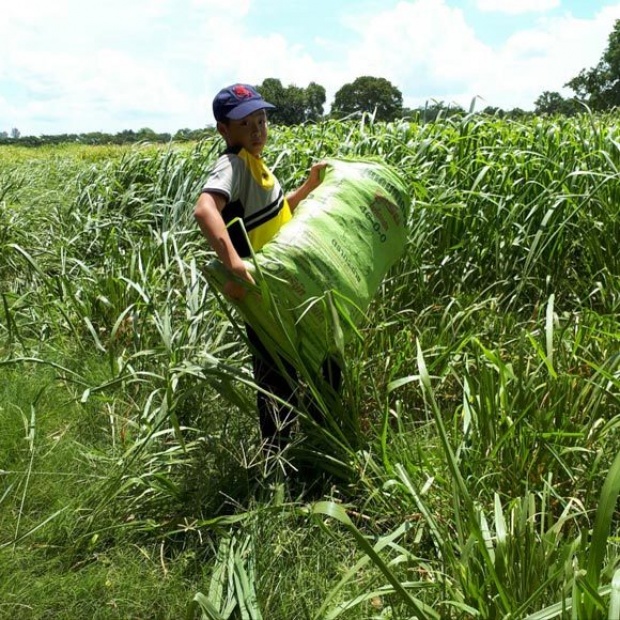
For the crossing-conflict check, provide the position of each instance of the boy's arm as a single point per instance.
(208, 215)
(315, 178)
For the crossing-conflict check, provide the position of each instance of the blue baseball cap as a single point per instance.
(237, 101)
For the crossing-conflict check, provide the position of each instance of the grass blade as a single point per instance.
(337, 512)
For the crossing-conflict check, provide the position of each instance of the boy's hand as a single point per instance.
(315, 178)
(316, 174)
(234, 289)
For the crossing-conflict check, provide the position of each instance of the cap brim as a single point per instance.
(242, 110)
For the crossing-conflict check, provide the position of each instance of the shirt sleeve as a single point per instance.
(222, 179)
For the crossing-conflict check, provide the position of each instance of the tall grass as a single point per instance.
(480, 456)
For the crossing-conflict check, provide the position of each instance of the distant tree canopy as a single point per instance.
(128, 136)
(294, 105)
(369, 94)
(551, 102)
(599, 87)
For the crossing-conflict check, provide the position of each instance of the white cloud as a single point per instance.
(416, 45)
(75, 66)
(84, 65)
(430, 51)
(517, 6)
(545, 57)
(426, 48)
(235, 9)
(230, 52)
(27, 12)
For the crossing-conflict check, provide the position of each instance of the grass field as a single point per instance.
(482, 473)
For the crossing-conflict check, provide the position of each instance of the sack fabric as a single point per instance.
(317, 276)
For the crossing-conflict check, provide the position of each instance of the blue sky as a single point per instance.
(87, 65)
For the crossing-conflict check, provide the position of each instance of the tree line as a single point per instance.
(127, 136)
(596, 89)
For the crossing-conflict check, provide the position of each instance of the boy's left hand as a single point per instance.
(313, 180)
(316, 174)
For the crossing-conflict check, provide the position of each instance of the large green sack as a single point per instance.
(317, 276)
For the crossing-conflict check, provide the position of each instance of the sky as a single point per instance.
(79, 66)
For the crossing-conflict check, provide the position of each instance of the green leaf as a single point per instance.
(602, 524)
(337, 512)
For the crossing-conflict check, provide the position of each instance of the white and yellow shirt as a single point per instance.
(252, 194)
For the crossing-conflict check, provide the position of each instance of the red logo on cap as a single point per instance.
(241, 91)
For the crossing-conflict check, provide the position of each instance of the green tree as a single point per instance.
(551, 102)
(127, 136)
(292, 109)
(369, 94)
(599, 86)
(94, 137)
(294, 105)
(272, 90)
(493, 111)
(315, 102)
(183, 135)
(146, 133)
(518, 114)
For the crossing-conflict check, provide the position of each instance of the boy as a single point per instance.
(240, 185)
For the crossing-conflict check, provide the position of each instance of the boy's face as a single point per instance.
(249, 132)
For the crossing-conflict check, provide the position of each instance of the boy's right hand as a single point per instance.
(234, 289)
